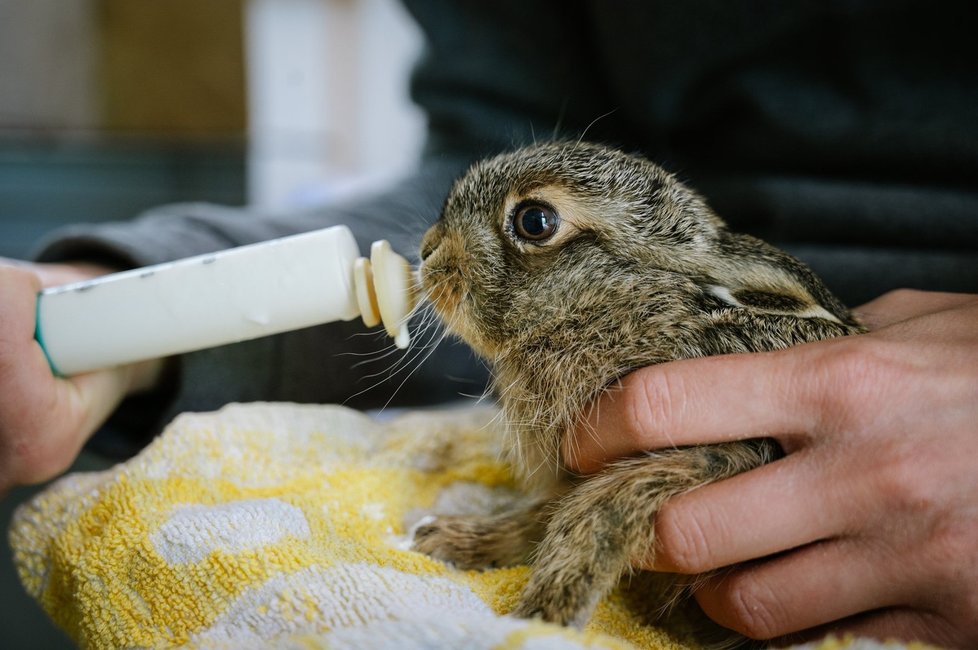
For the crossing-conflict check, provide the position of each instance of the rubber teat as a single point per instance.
(384, 293)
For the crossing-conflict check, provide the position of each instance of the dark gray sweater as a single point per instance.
(845, 132)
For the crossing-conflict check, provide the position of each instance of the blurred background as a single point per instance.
(109, 107)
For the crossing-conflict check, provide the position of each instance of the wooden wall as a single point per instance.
(172, 66)
(164, 67)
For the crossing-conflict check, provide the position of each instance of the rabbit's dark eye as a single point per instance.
(535, 222)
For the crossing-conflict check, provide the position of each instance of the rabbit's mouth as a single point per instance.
(446, 288)
(441, 271)
(443, 288)
(448, 275)
(444, 285)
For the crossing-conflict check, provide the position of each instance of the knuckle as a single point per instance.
(951, 546)
(842, 381)
(751, 607)
(900, 484)
(682, 541)
(31, 457)
(854, 365)
(18, 289)
(27, 458)
(651, 408)
(43, 465)
(900, 295)
(636, 417)
(15, 280)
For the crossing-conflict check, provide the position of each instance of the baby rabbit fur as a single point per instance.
(567, 265)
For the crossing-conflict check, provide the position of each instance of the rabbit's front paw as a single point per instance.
(473, 542)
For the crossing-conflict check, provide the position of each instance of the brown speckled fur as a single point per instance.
(640, 271)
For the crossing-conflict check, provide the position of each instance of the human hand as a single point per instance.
(44, 419)
(869, 524)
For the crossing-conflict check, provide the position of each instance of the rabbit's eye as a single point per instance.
(535, 222)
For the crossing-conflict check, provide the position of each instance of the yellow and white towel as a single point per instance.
(279, 525)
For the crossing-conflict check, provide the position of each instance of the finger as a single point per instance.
(98, 394)
(811, 586)
(904, 304)
(55, 419)
(780, 506)
(45, 420)
(896, 623)
(19, 289)
(54, 274)
(26, 395)
(69, 272)
(45, 438)
(14, 263)
(694, 401)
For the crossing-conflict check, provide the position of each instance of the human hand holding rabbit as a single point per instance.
(869, 524)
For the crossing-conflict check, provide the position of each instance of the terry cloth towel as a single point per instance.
(279, 525)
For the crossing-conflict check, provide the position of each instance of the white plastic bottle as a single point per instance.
(224, 297)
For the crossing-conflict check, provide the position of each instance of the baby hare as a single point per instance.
(567, 265)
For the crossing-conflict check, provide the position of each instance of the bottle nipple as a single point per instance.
(384, 290)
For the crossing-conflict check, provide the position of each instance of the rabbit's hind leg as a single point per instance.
(605, 525)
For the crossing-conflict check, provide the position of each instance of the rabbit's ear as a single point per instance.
(770, 301)
(754, 275)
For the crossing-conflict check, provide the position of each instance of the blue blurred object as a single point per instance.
(50, 182)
